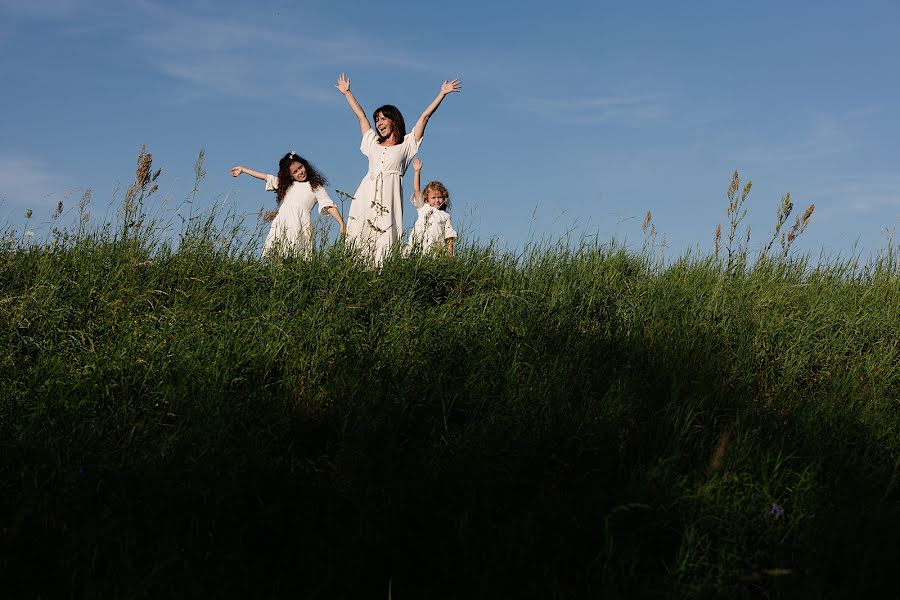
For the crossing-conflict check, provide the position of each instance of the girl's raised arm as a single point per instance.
(448, 87)
(235, 171)
(417, 198)
(343, 86)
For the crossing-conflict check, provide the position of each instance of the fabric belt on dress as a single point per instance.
(374, 175)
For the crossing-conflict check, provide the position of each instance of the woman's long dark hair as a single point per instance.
(393, 113)
(285, 181)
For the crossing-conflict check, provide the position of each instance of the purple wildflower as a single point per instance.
(776, 510)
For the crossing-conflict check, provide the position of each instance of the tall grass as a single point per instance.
(183, 418)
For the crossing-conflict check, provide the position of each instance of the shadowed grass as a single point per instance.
(565, 422)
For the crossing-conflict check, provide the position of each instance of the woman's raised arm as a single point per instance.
(448, 87)
(343, 86)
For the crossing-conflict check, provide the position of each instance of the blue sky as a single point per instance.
(574, 117)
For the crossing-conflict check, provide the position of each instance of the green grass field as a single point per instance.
(189, 420)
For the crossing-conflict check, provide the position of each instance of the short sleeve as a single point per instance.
(411, 147)
(324, 200)
(449, 232)
(368, 140)
(271, 183)
(417, 203)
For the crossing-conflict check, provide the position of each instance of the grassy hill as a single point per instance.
(564, 423)
(184, 419)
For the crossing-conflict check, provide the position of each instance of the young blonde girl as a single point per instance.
(433, 231)
(298, 187)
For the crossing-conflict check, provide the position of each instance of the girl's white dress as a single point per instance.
(375, 221)
(432, 229)
(292, 228)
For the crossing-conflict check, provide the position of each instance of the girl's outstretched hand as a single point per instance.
(417, 164)
(343, 84)
(449, 87)
(235, 171)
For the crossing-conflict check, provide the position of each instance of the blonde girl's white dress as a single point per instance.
(292, 228)
(375, 220)
(432, 229)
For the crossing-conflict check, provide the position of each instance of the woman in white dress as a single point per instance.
(375, 220)
(298, 186)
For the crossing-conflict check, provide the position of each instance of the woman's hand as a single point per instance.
(343, 84)
(448, 87)
(235, 171)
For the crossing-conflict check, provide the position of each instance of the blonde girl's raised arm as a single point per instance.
(448, 87)
(343, 86)
(418, 200)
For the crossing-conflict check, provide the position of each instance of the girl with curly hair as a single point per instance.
(433, 232)
(298, 186)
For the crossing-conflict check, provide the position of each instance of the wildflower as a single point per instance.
(28, 214)
(380, 208)
(776, 510)
(29, 233)
(375, 227)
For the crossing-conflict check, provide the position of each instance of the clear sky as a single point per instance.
(574, 117)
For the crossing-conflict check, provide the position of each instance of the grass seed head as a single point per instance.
(145, 163)
(808, 213)
(735, 184)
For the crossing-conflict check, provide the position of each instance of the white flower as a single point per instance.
(29, 233)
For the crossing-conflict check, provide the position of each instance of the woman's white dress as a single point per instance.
(375, 221)
(432, 229)
(292, 228)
